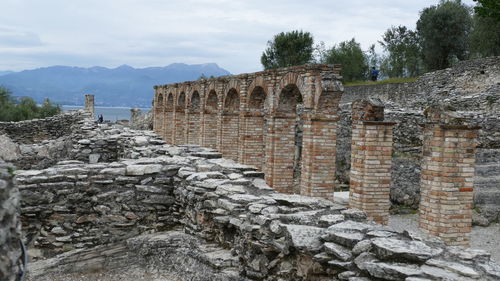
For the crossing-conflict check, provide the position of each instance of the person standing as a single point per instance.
(374, 74)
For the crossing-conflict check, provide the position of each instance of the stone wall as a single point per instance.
(38, 130)
(472, 89)
(10, 226)
(274, 236)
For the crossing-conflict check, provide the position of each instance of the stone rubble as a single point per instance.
(155, 187)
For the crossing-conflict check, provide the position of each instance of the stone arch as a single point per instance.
(170, 101)
(159, 99)
(210, 120)
(254, 128)
(287, 144)
(181, 102)
(193, 119)
(230, 125)
(257, 100)
(232, 101)
(212, 102)
(288, 99)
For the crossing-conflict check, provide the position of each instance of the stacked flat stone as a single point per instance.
(36, 130)
(10, 226)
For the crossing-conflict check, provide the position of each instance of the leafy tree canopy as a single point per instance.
(351, 57)
(288, 49)
(488, 9)
(25, 109)
(443, 32)
(403, 52)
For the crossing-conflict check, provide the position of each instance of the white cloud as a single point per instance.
(143, 33)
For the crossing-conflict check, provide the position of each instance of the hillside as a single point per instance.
(121, 86)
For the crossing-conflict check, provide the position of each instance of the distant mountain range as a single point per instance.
(121, 86)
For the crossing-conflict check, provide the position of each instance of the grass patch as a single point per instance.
(386, 81)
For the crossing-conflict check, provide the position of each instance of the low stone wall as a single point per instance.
(77, 205)
(10, 226)
(37, 130)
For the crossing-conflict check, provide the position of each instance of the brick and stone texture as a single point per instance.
(447, 178)
(158, 121)
(371, 160)
(168, 132)
(253, 119)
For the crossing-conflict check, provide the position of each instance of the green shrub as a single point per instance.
(25, 109)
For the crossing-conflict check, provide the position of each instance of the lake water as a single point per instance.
(109, 113)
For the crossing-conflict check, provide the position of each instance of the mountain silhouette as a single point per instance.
(121, 86)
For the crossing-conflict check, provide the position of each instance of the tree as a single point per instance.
(25, 109)
(352, 59)
(484, 37)
(403, 52)
(443, 32)
(288, 49)
(488, 9)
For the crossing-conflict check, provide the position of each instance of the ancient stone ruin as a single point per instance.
(208, 195)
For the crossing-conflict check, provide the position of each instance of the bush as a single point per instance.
(25, 109)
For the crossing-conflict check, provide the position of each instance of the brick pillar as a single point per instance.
(371, 160)
(318, 155)
(194, 129)
(447, 177)
(230, 135)
(252, 139)
(89, 105)
(280, 152)
(210, 129)
(169, 125)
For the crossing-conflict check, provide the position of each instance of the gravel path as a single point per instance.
(484, 238)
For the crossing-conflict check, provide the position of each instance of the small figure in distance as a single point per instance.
(374, 74)
(100, 119)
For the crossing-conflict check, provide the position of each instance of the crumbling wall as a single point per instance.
(273, 235)
(37, 130)
(10, 226)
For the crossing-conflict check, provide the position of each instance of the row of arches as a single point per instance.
(258, 122)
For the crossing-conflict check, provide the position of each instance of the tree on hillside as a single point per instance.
(443, 32)
(288, 49)
(351, 57)
(403, 52)
(488, 9)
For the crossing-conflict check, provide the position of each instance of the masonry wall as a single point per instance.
(38, 130)
(10, 226)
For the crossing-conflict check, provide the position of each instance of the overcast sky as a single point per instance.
(142, 33)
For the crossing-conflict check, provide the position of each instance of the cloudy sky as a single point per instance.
(142, 33)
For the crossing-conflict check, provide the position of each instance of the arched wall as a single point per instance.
(230, 124)
(251, 118)
(194, 118)
(169, 118)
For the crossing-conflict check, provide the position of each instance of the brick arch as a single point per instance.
(169, 104)
(159, 99)
(212, 102)
(232, 101)
(195, 101)
(233, 84)
(257, 99)
(210, 118)
(181, 102)
(288, 98)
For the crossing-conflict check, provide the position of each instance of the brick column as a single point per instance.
(371, 160)
(193, 122)
(169, 125)
(280, 152)
(318, 155)
(230, 135)
(252, 139)
(447, 177)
